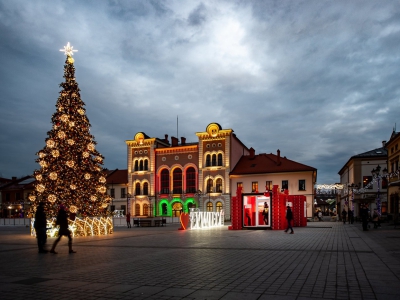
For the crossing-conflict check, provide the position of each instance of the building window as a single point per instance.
(112, 192)
(146, 209)
(146, 165)
(209, 206)
(123, 195)
(208, 160)
(214, 160)
(302, 185)
(268, 185)
(219, 206)
(254, 187)
(145, 188)
(136, 165)
(209, 185)
(190, 180)
(164, 181)
(141, 165)
(177, 181)
(177, 209)
(123, 207)
(285, 184)
(137, 188)
(164, 210)
(137, 209)
(218, 185)
(219, 159)
(366, 181)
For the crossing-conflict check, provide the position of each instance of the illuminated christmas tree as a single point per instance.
(71, 173)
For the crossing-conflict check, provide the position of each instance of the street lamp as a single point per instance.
(10, 210)
(353, 187)
(376, 173)
(315, 207)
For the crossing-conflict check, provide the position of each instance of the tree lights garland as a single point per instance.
(71, 172)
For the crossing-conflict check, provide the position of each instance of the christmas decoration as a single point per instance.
(70, 166)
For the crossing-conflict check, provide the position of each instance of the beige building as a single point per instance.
(393, 152)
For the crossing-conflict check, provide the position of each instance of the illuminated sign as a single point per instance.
(205, 219)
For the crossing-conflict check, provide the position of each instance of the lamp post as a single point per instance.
(377, 173)
(353, 187)
(10, 210)
(315, 208)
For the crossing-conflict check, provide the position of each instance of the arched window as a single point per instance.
(141, 165)
(145, 188)
(218, 185)
(214, 160)
(137, 188)
(146, 165)
(219, 206)
(209, 206)
(191, 205)
(219, 159)
(164, 181)
(136, 165)
(137, 209)
(145, 209)
(208, 160)
(190, 180)
(209, 185)
(177, 181)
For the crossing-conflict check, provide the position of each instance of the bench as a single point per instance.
(145, 223)
(136, 222)
(160, 222)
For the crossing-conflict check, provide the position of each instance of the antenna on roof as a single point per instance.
(177, 127)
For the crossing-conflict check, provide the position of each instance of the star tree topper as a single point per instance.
(68, 50)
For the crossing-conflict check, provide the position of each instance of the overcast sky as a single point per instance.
(318, 80)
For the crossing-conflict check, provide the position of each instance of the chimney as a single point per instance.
(183, 140)
(166, 139)
(383, 143)
(279, 157)
(174, 141)
(252, 153)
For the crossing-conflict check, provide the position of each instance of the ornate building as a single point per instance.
(166, 178)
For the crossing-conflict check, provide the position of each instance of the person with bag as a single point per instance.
(289, 218)
(40, 227)
(62, 221)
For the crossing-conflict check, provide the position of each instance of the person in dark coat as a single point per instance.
(128, 220)
(351, 217)
(289, 218)
(344, 215)
(364, 216)
(62, 221)
(40, 227)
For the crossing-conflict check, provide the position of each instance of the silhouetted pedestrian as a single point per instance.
(344, 215)
(128, 220)
(289, 218)
(364, 216)
(40, 227)
(351, 217)
(62, 221)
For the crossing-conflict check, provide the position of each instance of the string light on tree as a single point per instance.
(71, 172)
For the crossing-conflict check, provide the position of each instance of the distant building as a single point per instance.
(393, 152)
(357, 171)
(14, 197)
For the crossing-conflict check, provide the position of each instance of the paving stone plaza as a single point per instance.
(325, 260)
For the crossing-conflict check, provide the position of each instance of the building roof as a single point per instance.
(117, 176)
(267, 163)
(375, 153)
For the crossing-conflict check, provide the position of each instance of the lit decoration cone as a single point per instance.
(71, 172)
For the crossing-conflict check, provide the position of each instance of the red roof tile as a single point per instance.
(267, 163)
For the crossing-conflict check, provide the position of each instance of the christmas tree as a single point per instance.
(70, 171)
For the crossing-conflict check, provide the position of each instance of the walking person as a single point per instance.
(364, 216)
(289, 218)
(375, 218)
(62, 221)
(40, 227)
(128, 220)
(320, 216)
(344, 214)
(351, 217)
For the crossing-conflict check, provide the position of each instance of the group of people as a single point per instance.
(365, 217)
(41, 228)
